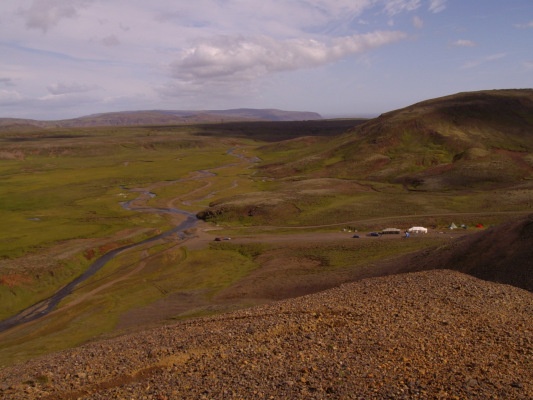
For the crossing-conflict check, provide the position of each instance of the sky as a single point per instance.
(68, 58)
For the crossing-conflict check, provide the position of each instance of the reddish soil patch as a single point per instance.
(13, 280)
(517, 157)
(89, 254)
(108, 247)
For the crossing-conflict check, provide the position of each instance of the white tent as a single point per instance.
(418, 229)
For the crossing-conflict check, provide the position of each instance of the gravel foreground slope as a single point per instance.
(426, 335)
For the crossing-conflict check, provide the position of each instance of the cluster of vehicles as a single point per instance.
(356, 236)
(415, 229)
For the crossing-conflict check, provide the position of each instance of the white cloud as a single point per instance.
(66, 88)
(44, 14)
(463, 43)
(436, 6)
(529, 25)
(8, 97)
(276, 18)
(477, 63)
(417, 22)
(495, 56)
(238, 69)
(242, 58)
(528, 65)
(69, 57)
(393, 7)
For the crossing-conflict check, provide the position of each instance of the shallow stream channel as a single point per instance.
(45, 306)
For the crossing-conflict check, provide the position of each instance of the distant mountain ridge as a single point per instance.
(167, 117)
(270, 114)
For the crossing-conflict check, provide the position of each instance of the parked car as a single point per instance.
(374, 234)
(356, 236)
(218, 239)
(227, 238)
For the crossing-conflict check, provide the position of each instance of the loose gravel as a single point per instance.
(426, 335)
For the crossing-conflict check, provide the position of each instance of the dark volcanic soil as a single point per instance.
(426, 335)
(502, 254)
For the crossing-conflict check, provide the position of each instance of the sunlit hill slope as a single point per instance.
(464, 140)
(466, 153)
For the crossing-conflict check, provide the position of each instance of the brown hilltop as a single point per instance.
(426, 335)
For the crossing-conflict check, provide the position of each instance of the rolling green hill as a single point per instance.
(467, 152)
(460, 141)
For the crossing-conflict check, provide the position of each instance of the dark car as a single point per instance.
(356, 236)
(218, 239)
(374, 234)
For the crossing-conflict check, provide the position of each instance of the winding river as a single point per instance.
(45, 306)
